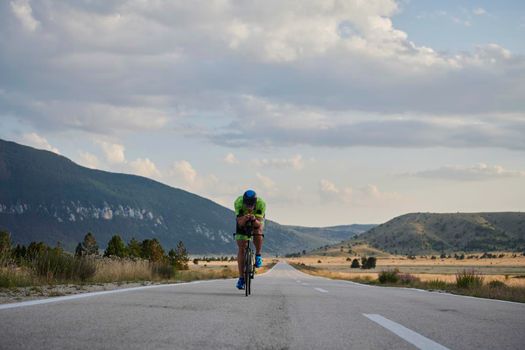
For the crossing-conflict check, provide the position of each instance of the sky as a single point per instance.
(334, 112)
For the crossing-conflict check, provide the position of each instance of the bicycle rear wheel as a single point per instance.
(247, 270)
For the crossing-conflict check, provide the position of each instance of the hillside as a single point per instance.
(47, 197)
(420, 233)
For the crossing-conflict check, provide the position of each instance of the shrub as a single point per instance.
(407, 278)
(437, 284)
(319, 261)
(369, 263)
(388, 276)
(496, 284)
(355, 264)
(55, 265)
(469, 279)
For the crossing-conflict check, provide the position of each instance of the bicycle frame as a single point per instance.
(249, 262)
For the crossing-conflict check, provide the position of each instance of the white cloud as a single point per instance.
(267, 183)
(336, 66)
(183, 174)
(88, 160)
(231, 159)
(361, 196)
(477, 172)
(23, 11)
(185, 170)
(37, 141)
(114, 152)
(479, 11)
(296, 162)
(329, 192)
(145, 167)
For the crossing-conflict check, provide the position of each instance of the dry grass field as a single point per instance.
(509, 269)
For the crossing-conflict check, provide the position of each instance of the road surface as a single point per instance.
(287, 310)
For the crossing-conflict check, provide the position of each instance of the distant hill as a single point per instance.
(47, 197)
(420, 233)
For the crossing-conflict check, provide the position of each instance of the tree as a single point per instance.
(79, 251)
(90, 245)
(370, 263)
(5, 248)
(5, 243)
(116, 247)
(152, 250)
(355, 264)
(19, 253)
(179, 257)
(134, 248)
(35, 249)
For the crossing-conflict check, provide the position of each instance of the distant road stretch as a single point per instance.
(287, 310)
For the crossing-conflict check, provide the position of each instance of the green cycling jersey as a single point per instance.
(258, 212)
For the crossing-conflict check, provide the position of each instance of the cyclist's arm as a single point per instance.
(242, 220)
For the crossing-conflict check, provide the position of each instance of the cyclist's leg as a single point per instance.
(258, 240)
(241, 244)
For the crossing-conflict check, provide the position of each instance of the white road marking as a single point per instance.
(92, 294)
(321, 290)
(409, 335)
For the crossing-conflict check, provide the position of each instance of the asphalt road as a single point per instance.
(287, 310)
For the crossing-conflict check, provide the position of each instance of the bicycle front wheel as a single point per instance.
(247, 271)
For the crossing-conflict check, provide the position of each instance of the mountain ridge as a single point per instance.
(47, 197)
(423, 233)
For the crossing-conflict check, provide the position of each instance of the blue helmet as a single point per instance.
(249, 198)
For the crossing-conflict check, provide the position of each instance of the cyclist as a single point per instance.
(249, 209)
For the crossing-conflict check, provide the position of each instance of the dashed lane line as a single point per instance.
(408, 335)
(321, 290)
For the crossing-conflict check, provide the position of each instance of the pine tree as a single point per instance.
(182, 255)
(116, 247)
(134, 248)
(90, 244)
(152, 250)
(5, 248)
(79, 251)
(179, 257)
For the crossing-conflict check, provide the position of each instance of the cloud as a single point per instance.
(185, 170)
(479, 11)
(362, 196)
(329, 192)
(479, 172)
(267, 183)
(130, 66)
(145, 167)
(318, 127)
(37, 141)
(296, 162)
(114, 152)
(89, 160)
(24, 13)
(231, 159)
